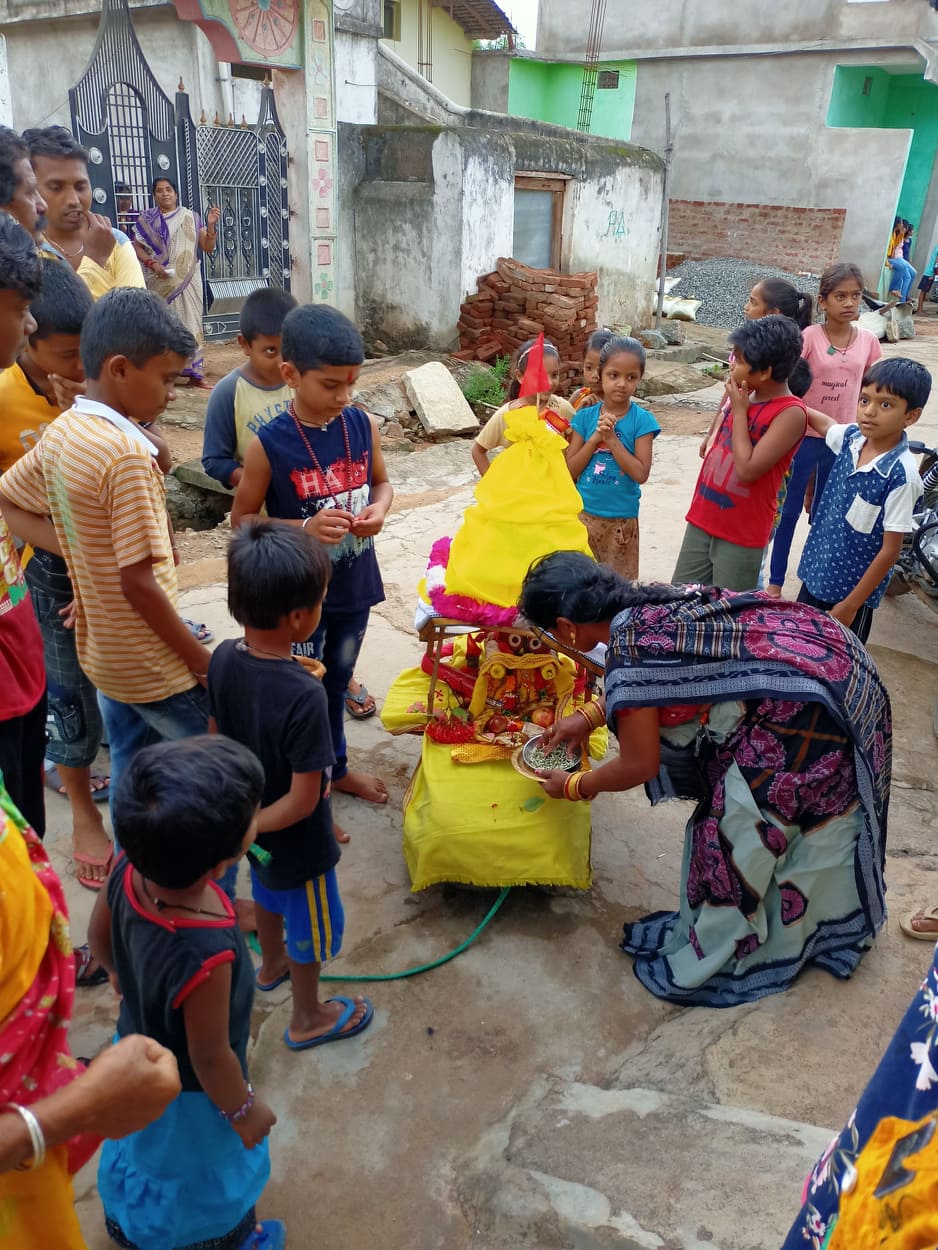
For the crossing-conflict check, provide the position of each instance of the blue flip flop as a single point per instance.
(272, 1236)
(266, 987)
(336, 1033)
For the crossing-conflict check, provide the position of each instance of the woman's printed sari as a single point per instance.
(783, 857)
(37, 986)
(173, 240)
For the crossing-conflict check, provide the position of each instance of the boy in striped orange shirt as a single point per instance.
(92, 488)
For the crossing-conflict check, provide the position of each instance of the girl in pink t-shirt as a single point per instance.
(838, 354)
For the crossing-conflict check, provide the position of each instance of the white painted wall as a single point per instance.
(443, 212)
(47, 58)
(356, 79)
(488, 216)
(871, 205)
(292, 105)
(612, 225)
(6, 99)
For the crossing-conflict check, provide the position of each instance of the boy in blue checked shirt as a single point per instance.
(867, 504)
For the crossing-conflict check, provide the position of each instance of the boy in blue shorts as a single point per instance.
(251, 395)
(867, 504)
(263, 697)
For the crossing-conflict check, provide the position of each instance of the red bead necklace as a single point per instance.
(315, 459)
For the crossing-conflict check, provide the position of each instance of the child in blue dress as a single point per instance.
(610, 456)
(184, 812)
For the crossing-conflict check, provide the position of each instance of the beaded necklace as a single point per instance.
(314, 459)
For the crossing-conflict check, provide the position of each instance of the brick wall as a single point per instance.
(795, 239)
(517, 303)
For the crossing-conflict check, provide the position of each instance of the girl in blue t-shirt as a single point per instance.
(610, 456)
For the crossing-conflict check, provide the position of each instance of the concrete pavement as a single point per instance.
(532, 1093)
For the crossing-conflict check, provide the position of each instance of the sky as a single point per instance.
(523, 14)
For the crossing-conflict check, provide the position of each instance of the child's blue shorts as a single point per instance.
(314, 916)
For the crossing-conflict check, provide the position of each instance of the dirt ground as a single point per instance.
(531, 1095)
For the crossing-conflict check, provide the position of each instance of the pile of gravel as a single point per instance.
(723, 285)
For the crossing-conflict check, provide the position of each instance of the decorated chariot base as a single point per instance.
(474, 811)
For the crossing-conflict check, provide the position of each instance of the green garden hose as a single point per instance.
(413, 972)
(444, 959)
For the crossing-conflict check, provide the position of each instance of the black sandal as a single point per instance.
(88, 973)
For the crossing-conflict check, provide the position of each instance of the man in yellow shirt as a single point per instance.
(102, 257)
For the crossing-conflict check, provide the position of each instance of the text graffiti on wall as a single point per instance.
(615, 226)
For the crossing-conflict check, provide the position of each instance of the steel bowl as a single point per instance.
(533, 744)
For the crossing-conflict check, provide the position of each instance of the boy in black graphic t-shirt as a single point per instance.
(263, 697)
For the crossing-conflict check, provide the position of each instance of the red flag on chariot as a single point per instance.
(535, 380)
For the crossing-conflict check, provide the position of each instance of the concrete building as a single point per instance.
(824, 106)
(441, 191)
(438, 40)
(399, 196)
(45, 46)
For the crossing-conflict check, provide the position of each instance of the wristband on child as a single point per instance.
(36, 1137)
(233, 1117)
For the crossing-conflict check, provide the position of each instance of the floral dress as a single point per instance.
(877, 1183)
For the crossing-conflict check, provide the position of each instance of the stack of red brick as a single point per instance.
(516, 303)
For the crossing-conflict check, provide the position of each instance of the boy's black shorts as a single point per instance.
(861, 623)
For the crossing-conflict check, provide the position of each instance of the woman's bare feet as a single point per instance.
(340, 835)
(774, 592)
(324, 1019)
(362, 786)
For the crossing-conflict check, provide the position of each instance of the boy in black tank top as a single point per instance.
(319, 467)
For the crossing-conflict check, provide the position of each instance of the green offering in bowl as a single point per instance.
(540, 760)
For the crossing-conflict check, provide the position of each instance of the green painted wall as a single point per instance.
(892, 102)
(550, 92)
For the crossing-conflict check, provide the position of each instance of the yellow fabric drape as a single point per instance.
(526, 507)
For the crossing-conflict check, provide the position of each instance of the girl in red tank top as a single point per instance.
(733, 508)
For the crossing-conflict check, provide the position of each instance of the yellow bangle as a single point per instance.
(571, 788)
(592, 713)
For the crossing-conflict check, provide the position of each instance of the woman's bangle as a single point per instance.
(36, 1137)
(571, 788)
(234, 1116)
(592, 713)
(306, 521)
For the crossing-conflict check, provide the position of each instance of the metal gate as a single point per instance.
(244, 171)
(134, 133)
(122, 116)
